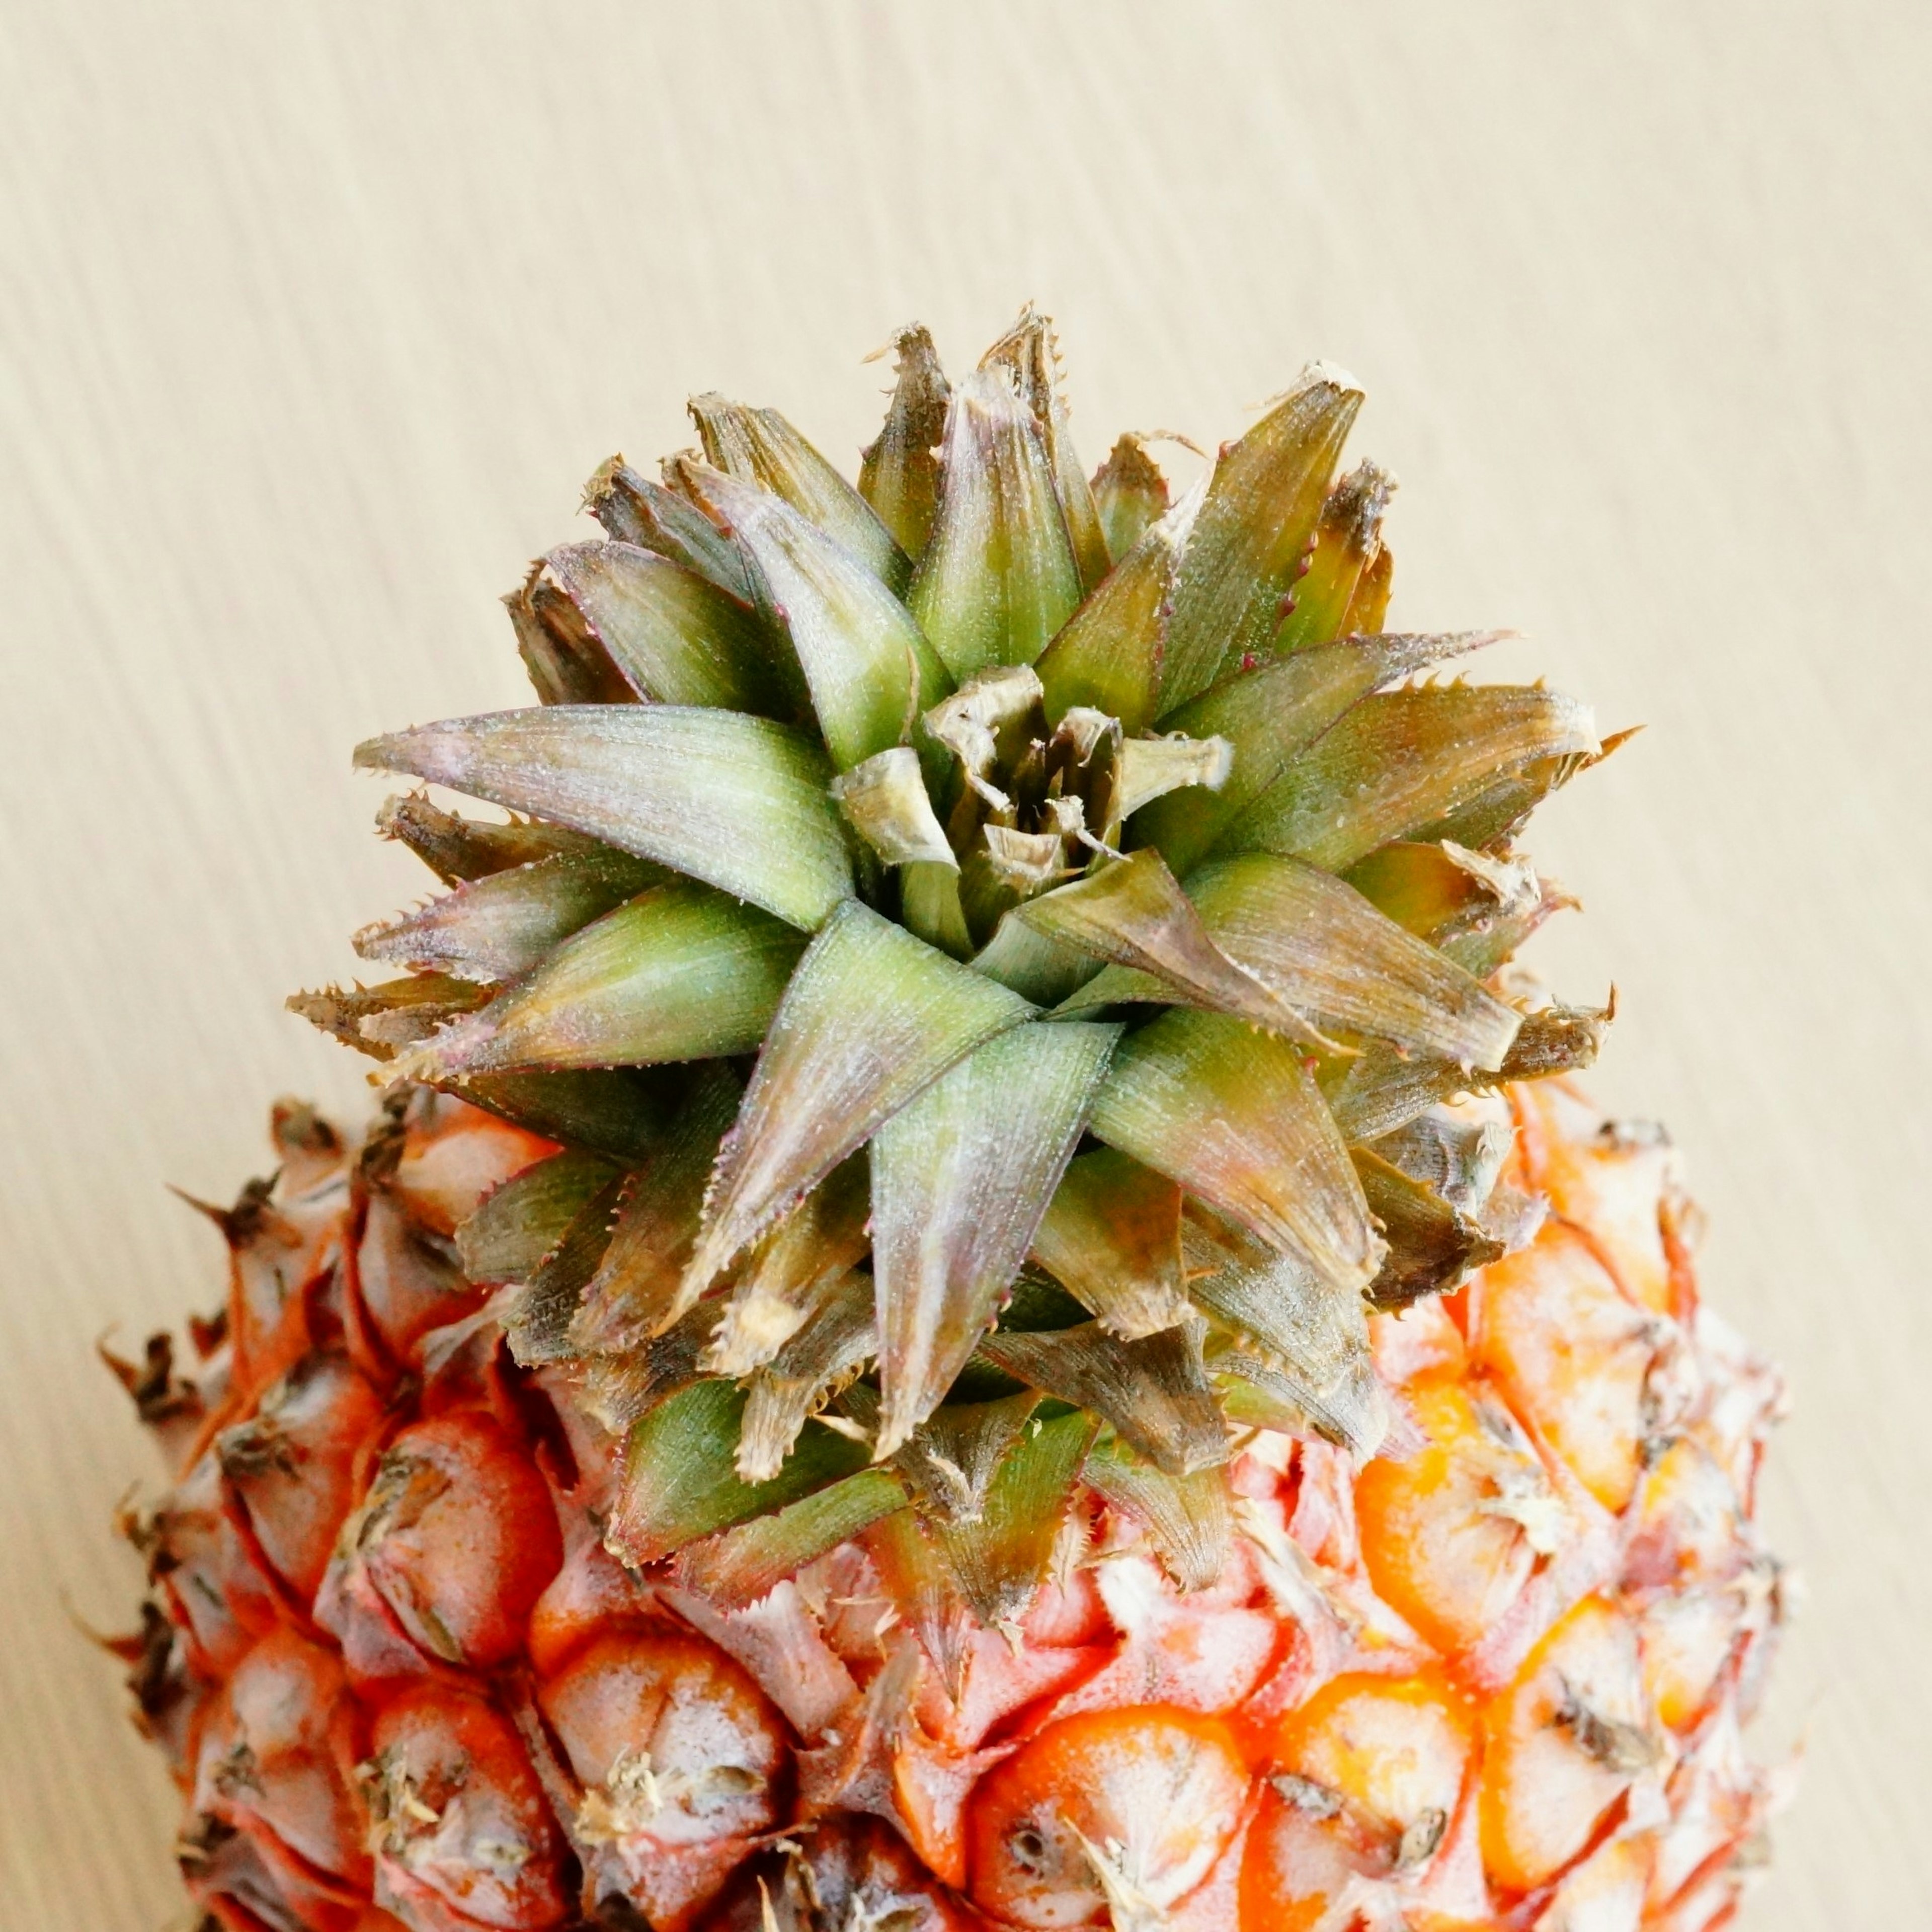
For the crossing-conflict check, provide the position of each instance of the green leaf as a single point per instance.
(759, 446)
(961, 1177)
(1030, 355)
(1111, 1235)
(998, 577)
(1348, 539)
(1187, 1519)
(1231, 1114)
(500, 926)
(677, 1483)
(999, 1559)
(675, 637)
(457, 849)
(1129, 495)
(637, 1292)
(1320, 948)
(1133, 912)
(871, 1017)
(746, 1563)
(681, 973)
(1433, 1246)
(870, 671)
(634, 510)
(520, 1222)
(618, 1111)
(1270, 715)
(1110, 653)
(1154, 1391)
(738, 802)
(898, 475)
(1044, 970)
(1266, 493)
(1383, 1091)
(1400, 761)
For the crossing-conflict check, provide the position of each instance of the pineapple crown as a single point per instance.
(1109, 912)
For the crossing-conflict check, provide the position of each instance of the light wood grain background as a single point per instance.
(315, 316)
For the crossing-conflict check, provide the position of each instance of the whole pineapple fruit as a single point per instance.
(976, 1301)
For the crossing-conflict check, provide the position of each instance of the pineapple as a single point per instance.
(977, 1300)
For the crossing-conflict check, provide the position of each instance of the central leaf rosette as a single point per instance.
(992, 947)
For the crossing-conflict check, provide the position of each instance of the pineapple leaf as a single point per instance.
(1028, 351)
(618, 1111)
(1399, 762)
(675, 637)
(634, 510)
(871, 1017)
(738, 803)
(1231, 1114)
(499, 927)
(619, 1390)
(1309, 1368)
(1111, 1234)
(961, 1177)
(1383, 1091)
(869, 668)
(885, 801)
(677, 1482)
(1319, 947)
(779, 1287)
(1269, 715)
(539, 1319)
(1108, 654)
(400, 1012)
(1433, 1246)
(566, 659)
(680, 972)
(458, 850)
(1187, 1519)
(1154, 1391)
(1263, 501)
(898, 475)
(1129, 495)
(1348, 539)
(838, 1337)
(998, 577)
(637, 1291)
(520, 1222)
(999, 1558)
(759, 447)
(1447, 894)
(743, 1565)
(1134, 913)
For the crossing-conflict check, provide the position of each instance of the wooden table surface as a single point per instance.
(317, 317)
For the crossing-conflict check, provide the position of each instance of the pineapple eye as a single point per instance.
(1027, 1844)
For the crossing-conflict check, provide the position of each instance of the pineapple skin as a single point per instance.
(1495, 1678)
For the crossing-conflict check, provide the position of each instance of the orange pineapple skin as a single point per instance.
(1494, 1679)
